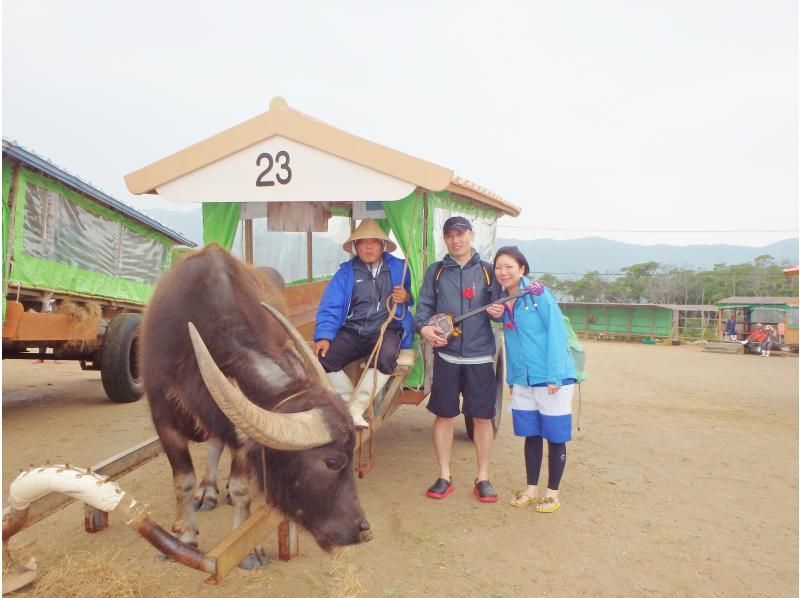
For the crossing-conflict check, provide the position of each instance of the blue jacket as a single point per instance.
(536, 341)
(335, 304)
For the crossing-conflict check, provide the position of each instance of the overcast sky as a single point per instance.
(593, 116)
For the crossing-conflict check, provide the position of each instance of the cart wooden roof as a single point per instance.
(401, 171)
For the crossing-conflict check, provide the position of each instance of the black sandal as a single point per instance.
(440, 489)
(485, 491)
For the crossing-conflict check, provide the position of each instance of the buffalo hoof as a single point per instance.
(257, 558)
(205, 499)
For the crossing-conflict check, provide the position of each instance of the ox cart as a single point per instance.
(285, 190)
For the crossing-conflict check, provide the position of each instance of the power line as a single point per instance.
(670, 231)
(682, 273)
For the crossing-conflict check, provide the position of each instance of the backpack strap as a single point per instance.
(486, 275)
(436, 276)
(440, 268)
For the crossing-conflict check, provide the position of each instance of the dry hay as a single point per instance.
(101, 575)
(86, 318)
(80, 312)
(345, 580)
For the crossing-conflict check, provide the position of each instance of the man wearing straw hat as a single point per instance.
(353, 309)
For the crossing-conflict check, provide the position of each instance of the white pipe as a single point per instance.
(97, 491)
(76, 482)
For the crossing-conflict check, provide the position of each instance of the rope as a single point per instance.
(372, 360)
(373, 357)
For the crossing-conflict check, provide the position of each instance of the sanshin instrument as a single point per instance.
(449, 323)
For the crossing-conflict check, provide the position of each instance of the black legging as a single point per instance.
(556, 460)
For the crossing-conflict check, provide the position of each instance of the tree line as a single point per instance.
(651, 282)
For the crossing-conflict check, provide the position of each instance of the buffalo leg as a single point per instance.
(241, 492)
(207, 493)
(176, 448)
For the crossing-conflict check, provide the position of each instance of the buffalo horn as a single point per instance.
(312, 363)
(282, 431)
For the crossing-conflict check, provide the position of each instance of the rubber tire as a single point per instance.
(500, 380)
(119, 363)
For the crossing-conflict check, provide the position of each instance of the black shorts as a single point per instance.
(476, 382)
(347, 347)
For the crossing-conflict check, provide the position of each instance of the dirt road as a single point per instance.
(682, 481)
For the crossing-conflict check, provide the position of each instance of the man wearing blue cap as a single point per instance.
(463, 365)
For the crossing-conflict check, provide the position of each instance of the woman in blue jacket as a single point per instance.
(541, 374)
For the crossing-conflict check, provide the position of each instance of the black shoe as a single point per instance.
(484, 491)
(440, 489)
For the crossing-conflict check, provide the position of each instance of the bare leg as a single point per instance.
(443, 443)
(484, 441)
(207, 493)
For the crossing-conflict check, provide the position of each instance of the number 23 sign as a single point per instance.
(282, 174)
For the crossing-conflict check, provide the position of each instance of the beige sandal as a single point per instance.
(523, 499)
(547, 505)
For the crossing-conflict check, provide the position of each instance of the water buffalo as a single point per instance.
(220, 362)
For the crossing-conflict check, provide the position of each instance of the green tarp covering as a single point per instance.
(404, 217)
(53, 273)
(6, 217)
(219, 223)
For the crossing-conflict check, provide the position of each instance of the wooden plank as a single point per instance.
(14, 314)
(294, 217)
(240, 542)
(35, 326)
(113, 467)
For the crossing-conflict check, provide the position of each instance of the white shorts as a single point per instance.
(536, 413)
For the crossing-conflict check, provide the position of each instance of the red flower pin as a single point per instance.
(469, 292)
(509, 325)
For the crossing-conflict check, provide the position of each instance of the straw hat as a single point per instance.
(368, 229)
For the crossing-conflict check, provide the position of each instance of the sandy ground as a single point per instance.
(682, 481)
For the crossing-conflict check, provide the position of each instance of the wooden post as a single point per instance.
(676, 340)
(628, 318)
(288, 541)
(248, 241)
(309, 259)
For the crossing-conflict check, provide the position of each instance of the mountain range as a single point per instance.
(577, 256)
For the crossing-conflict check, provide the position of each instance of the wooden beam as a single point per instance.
(240, 542)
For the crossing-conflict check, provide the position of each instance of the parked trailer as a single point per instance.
(79, 267)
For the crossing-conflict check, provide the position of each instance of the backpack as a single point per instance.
(577, 351)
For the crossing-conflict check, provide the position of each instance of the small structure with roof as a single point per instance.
(749, 311)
